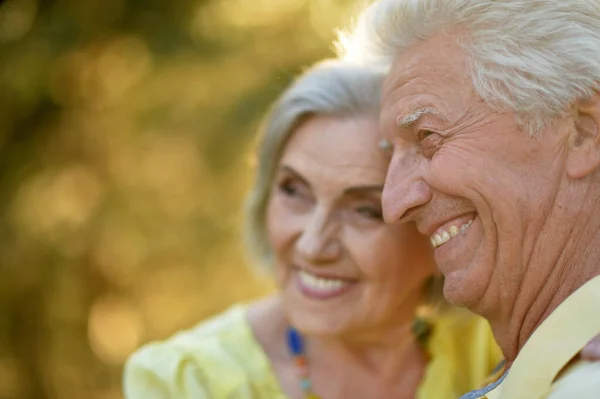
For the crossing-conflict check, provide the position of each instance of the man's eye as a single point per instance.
(429, 142)
(423, 134)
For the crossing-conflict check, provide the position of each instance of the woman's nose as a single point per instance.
(319, 242)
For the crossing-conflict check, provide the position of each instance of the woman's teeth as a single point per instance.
(443, 236)
(320, 284)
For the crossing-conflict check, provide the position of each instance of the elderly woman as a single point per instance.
(351, 286)
(493, 111)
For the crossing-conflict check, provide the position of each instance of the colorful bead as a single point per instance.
(305, 384)
(301, 361)
(295, 343)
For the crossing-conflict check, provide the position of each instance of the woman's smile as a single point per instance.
(320, 287)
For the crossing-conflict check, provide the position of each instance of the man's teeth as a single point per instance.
(444, 236)
(320, 284)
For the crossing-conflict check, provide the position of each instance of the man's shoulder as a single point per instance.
(581, 381)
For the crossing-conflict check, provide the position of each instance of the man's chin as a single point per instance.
(461, 290)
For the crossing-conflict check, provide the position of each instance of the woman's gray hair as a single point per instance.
(329, 88)
(534, 58)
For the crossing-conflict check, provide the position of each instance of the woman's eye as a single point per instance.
(293, 188)
(386, 146)
(287, 187)
(370, 212)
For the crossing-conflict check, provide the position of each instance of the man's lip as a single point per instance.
(431, 228)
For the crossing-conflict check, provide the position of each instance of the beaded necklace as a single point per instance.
(421, 329)
(296, 346)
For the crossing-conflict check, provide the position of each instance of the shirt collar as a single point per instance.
(553, 344)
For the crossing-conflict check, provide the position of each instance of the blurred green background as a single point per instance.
(126, 138)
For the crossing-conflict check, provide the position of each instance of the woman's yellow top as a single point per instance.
(220, 359)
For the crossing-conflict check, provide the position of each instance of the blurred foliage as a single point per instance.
(126, 134)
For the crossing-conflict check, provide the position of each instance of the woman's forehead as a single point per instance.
(331, 138)
(344, 151)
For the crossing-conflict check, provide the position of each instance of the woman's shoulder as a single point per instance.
(217, 358)
(463, 353)
(471, 338)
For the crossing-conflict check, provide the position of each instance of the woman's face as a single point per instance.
(340, 268)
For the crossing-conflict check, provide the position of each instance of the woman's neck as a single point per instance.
(377, 353)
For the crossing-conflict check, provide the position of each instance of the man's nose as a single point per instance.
(405, 190)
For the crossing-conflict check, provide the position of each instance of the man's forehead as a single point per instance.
(427, 63)
(408, 96)
(426, 76)
(405, 68)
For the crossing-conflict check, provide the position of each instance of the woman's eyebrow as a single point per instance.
(297, 175)
(363, 189)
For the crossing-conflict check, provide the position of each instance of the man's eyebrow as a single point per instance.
(415, 115)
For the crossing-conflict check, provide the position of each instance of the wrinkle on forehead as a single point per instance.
(429, 74)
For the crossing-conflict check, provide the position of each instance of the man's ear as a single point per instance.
(584, 146)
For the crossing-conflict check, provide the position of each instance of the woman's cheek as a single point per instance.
(364, 248)
(282, 227)
(381, 254)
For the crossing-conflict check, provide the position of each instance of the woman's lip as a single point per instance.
(322, 293)
(324, 275)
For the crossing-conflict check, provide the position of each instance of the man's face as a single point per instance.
(473, 181)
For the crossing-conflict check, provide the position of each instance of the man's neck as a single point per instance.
(562, 260)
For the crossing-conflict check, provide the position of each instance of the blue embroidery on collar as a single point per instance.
(483, 391)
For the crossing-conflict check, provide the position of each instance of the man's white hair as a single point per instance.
(532, 57)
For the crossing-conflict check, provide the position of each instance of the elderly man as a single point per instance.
(493, 111)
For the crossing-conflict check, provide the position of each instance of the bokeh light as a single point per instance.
(127, 132)
(115, 329)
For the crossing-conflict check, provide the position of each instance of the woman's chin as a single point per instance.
(317, 324)
(309, 318)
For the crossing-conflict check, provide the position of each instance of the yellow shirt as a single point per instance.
(555, 342)
(220, 358)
